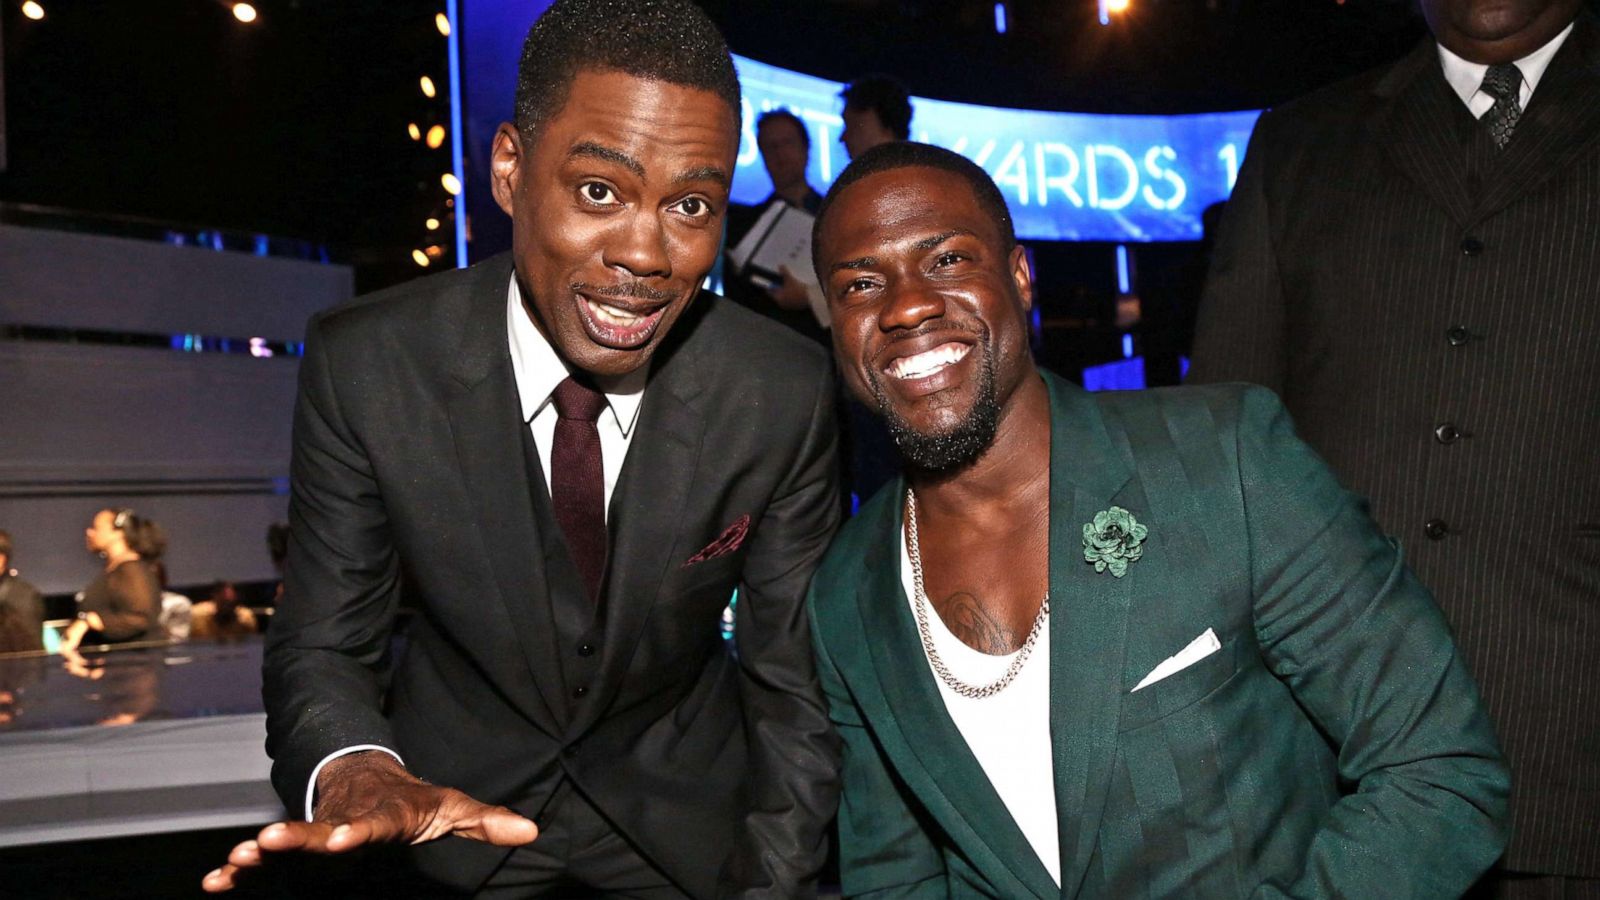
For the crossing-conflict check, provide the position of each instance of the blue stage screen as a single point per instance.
(1066, 176)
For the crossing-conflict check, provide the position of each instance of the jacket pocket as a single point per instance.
(1181, 689)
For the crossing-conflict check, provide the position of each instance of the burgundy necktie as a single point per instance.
(577, 481)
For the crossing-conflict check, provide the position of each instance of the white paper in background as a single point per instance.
(781, 237)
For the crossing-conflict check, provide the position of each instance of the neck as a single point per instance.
(794, 192)
(118, 555)
(1012, 470)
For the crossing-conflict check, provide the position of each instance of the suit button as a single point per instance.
(578, 692)
(1471, 246)
(1436, 529)
(1458, 335)
(585, 649)
(1446, 433)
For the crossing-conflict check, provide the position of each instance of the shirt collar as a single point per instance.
(1466, 77)
(538, 369)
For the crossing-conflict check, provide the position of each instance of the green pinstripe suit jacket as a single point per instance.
(1334, 747)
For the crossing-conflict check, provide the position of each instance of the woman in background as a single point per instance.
(123, 603)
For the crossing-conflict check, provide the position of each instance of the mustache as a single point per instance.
(976, 328)
(635, 289)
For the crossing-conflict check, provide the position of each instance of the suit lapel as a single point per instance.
(945, 773)
(1426, 130)
(647, 506)
(1088, 622)
(486, 425)
(1562, 121)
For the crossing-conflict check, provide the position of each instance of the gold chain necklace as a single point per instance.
(971, 691)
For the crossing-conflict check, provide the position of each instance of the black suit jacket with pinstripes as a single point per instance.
(1429, 310)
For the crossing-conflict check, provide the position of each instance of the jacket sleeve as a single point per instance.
(884, 848)
(326, 649)
(792, 782)
(1240, 332)
(1359, 642)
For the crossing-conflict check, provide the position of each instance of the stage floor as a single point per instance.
(135, 742)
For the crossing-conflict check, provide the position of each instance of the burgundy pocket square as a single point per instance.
(726, 542)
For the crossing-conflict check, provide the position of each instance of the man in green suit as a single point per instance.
(1112, 645)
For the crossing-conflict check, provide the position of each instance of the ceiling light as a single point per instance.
(244, 12)
(429, 91)
(435, 136)
(433, 224)
(442, 22)
(414, 131)
(420, 258)
(33, 10)
(451, 183)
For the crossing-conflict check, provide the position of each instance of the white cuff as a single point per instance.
(311, 787)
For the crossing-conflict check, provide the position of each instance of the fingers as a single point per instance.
(219, 880)
(491, 824)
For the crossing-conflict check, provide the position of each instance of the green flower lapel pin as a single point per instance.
(1113, 540)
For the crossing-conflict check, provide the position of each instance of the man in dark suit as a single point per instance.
(1411, 259)
(572, 461)
(1111, 645)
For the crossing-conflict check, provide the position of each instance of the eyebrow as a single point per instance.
(927, 243)
(599, 151)
(704, 173)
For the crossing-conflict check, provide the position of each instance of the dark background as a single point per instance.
(296, 125)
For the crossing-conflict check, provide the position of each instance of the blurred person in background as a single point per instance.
(21, 599)
(221, 616)
(123, 603)
(877, 110)
(785, 149)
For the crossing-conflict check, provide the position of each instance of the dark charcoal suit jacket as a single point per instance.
(1429, 310)
(409, 465)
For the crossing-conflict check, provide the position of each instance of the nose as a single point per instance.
(641, 248)
(909, 305)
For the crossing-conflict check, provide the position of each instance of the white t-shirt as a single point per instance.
(1008, 732)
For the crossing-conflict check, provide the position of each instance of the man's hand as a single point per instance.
(790, 293)
(369, 798)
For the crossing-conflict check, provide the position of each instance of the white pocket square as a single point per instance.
(1198, 649)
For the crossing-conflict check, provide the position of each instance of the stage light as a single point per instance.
(428, 90)
(442, 21)
(414, 131)
(451, 183)
(433, 224)
(1117, 7)
(434, 252)
(33, 10)
(999, 18)
(244, 12)
(435, 136)
(420, 258)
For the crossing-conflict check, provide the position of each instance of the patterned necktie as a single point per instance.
(1503, 82)
(577, 481)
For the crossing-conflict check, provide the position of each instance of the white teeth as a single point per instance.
(928, 361)
(611, 315)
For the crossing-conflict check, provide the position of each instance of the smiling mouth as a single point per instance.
(928, 362)
(618, 327)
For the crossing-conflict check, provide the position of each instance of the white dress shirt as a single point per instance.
(1008, 732)
(1467, 77)
(538, 370)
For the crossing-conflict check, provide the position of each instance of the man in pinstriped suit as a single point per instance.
(1412, 261)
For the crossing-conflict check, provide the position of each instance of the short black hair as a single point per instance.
(907, 154)
(783, 115)
(670, 41)
(884, 95)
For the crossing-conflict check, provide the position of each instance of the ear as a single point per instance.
(1022, 275)
(507, 159)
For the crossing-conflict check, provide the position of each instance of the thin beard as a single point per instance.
(959, 447)
(636, 289)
